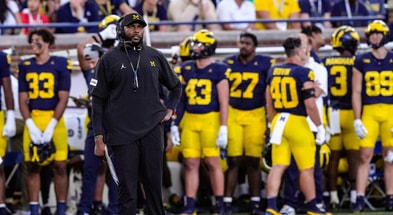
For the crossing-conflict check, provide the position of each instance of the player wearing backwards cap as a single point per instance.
(246, 118)
(93, 179)
(372, 101)
(127, 113)
(44, 84)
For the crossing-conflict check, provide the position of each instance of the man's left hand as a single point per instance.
(222, 137)
(9, 129)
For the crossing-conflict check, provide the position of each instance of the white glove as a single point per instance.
(108, 33)
(9, 129)
(328, 134)
(175, 136)
(321, 135)
(222, 137)
(50, 128)
(360, 130)
(35, 133)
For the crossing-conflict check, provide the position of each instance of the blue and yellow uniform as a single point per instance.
(247, 114)
(286, 82)
(201, 119)
(42, 82)
(5, 61)
(377, 98)
(340, 91)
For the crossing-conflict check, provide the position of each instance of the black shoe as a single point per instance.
(98, 209)
(46, 211)
(389, 203)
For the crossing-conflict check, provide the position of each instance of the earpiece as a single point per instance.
(120, 29)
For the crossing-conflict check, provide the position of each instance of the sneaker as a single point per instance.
(270, 211)
(287, 210)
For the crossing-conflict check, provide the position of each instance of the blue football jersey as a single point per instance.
(339, 81)
(200, 88)
(286, 82)
(42, 82)
(5, 61)
(248, 81)
(377, 86)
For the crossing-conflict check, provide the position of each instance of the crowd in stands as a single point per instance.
(230, 12)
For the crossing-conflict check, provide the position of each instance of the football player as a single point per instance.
(246, 118)
(44, 85)
(290, 98)
(7, 120)
(204, 122)
(345, 40)
(291, 175)
(372, 101)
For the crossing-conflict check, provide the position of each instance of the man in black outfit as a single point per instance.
(128, 115)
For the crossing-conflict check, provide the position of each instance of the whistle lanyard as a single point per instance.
(135, 71)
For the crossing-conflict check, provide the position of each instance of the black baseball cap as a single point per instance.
(133, 18)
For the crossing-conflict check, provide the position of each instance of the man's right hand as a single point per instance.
(99, 148)
(175, 135)
(35, 133)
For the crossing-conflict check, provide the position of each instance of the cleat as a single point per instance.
(287, 210)
(389, 203)
(316, 212)
(358, 208)
(188, 212)
(270, 211)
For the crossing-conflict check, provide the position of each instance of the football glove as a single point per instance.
(360, 130)
(34, 132)
(9, 129)
(108, 33)
(42, 153)
(321, 135)
(222, 137)
(50, 128)
(175, 136)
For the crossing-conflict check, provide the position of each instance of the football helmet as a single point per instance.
(345, 38)
(324, 156)
(42, 153)
(110, 19)
(206, 38)
(377, 26)
(185, 49)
